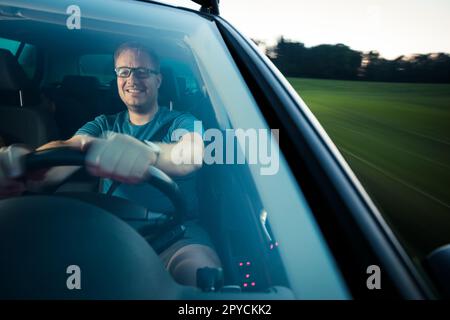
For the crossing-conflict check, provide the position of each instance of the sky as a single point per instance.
(391, 27)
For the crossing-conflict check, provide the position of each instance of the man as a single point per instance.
(115, 150)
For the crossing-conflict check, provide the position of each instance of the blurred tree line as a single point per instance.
(340, 62)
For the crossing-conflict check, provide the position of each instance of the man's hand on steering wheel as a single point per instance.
(119, 157)
(11, 170)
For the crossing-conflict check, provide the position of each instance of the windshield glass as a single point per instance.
(245, 194)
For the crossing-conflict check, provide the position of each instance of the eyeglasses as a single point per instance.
(140, 73)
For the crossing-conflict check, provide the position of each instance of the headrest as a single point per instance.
(80, 86)
(12, 76)
(25, 125)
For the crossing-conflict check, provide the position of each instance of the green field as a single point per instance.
(396, 138)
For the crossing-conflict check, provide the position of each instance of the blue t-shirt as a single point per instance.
(144, 194)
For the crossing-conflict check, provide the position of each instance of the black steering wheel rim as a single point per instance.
(66, 156)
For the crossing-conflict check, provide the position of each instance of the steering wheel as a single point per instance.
(64, 156)
(43, 236)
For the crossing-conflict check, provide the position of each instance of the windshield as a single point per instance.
(245, 193)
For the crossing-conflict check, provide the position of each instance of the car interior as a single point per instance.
(51, 87)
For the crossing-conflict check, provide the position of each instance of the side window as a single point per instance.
(26, 54)
(10, 45)
(100, 66)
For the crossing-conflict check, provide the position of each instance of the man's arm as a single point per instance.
(126, 159)
(175, 159)
(77, 142)
(119, 157)
(183, 157)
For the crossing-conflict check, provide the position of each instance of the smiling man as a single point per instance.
(138, 92)
(138, 80)
(119, 148)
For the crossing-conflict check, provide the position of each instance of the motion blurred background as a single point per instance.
(376, 74)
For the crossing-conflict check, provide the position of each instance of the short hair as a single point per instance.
(134, 45)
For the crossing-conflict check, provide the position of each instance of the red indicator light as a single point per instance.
(241, 264)
(247, 276)
(253, 284)
(245, 284)
(248, 263)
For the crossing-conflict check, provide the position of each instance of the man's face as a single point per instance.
(138, 94)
